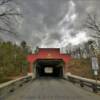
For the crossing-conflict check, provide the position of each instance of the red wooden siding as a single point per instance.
(48, 53)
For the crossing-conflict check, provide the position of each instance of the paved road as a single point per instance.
(51, 89)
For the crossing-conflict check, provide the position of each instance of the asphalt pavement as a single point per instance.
(51, 89)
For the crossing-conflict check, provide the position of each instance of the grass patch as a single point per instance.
(82, 67)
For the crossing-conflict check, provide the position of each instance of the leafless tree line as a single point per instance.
(86, 50)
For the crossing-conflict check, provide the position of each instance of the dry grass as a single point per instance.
(81, 67)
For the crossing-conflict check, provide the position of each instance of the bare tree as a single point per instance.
(7, 17)
(93, 24)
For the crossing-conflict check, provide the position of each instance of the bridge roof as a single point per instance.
(48, 53)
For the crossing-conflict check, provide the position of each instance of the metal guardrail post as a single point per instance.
(81, 84)
(94, 87)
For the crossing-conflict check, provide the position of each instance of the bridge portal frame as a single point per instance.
(47, 53)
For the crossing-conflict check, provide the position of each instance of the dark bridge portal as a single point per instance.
(51, 68)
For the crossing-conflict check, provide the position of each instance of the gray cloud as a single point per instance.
(41, 20)
(55, 36)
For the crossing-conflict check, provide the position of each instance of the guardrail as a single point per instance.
(12, 85)
(84, 82)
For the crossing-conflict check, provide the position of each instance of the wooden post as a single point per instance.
(30, 69)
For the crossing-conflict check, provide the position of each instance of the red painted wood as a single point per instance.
(48, 53)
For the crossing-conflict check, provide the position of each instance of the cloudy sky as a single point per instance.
(54, 23)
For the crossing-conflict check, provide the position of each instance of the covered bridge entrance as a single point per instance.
(49, 67)
(48, 62)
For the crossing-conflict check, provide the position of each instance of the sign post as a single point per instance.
(95, 67)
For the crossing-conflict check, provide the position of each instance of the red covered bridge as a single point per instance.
(48, 61)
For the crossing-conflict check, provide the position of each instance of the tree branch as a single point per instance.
(91, 23)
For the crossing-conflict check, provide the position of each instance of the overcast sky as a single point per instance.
(54, 23)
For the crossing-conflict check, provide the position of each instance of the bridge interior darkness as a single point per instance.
(49, 68)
